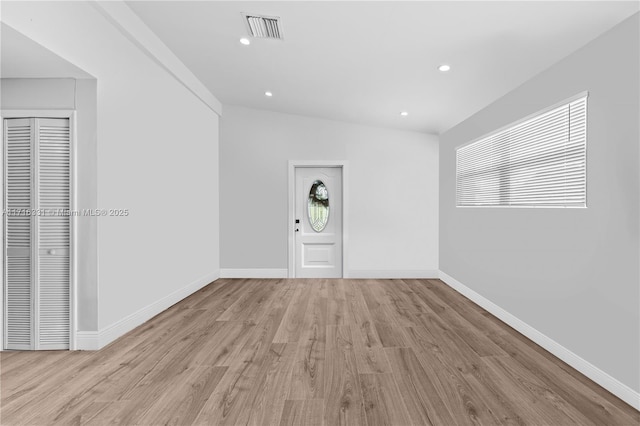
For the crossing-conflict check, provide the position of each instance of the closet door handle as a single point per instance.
(51, 251)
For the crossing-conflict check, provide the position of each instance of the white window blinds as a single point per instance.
(538, 162)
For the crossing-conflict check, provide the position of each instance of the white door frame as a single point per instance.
(45, 113)
(344, 165)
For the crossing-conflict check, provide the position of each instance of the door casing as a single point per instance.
(344, 165)
(71, 115)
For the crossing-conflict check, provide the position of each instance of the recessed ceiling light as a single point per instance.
(268, 94)
(404, 113)
(444, 67)
(245, 41)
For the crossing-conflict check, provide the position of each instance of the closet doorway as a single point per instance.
(38, 223)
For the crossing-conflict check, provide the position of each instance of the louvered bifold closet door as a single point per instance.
(37, 221)
(18, 222)
(53, 169)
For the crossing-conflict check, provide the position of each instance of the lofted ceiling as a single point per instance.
(365, 62)
(21, 57)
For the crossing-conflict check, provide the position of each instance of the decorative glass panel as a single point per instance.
(318, 206)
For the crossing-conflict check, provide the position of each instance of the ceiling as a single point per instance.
(365, 62)
(22, 57)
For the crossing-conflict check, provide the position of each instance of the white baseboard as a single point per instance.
(393, 273)
(611, 384)
(373, 274)
(87, 340)
(94, 340)
(253, 273)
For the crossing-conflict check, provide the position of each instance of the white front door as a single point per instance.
(318, 222)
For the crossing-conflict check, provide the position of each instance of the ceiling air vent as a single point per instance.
(264, 26)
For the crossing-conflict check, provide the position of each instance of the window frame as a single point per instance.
(514, 124)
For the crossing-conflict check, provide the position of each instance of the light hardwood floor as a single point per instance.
(296, 352)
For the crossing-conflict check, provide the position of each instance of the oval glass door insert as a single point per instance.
(318, 206)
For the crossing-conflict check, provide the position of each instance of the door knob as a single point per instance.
(52, 251)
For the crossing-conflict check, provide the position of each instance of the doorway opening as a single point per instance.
(38, 257)
(318, 212)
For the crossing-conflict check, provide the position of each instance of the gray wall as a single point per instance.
(393, 190)
(570, 273)
(34, 93)
(158, 158)
(79, 95)
(87, 198)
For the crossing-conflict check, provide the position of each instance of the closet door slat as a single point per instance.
(18, 222)
(53, 233)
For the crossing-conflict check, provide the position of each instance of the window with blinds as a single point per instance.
(537, 162)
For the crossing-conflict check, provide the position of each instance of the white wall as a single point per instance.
(572, 274)
(157, 157)
(38, 93)
(393, 191)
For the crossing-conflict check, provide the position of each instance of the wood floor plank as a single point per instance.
(474, 337)
(189, 393)
(20, 367)
(389, 331)
(169, 372)
(18, 390)
(134, 365)
(367, 344)
(144, 370)
(314, 351)
(307, 412)
(359, 315)
(337, 312)
(202, 296)
(343, 400)
(291, 325)
(462, 401)
(531, 395)
(307, 377)
(103, 414)
(252, 306)
(270, 393)
(425, 400)
(88, 413)
(223, 296)
(464, 367)
(369, 360)
(399, 306)
(229, 336)
(227, 404)
(383, 403)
